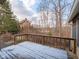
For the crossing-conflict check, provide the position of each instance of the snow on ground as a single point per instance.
(30, 50)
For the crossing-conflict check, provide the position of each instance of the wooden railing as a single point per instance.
(57, 42)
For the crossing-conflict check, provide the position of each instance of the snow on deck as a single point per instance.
(30, 50)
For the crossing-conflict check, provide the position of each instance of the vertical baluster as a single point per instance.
(27, 37)
(23, 37)
(52, 41)
(49, 43)
(20, 38)
(65, 44)
(56, 42)
(32, 38)
(69, 45)
(43, 39)
(14, 39)
(60, 43)
(75, 46)
(47, 40)
(39, 39)
(35, 38)
(57, 39)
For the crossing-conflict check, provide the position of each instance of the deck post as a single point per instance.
(75, 46)
(14, 39)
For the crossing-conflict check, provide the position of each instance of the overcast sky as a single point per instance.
(24, 8)
(27, 9)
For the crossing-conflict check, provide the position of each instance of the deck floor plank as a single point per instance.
(28, 53)
(1, 55)
(11, 56)
(29, 50)
(7, 56)
(34, 51)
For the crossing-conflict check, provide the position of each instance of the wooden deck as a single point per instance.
(29, 50)
(22, 49)
(57, 42)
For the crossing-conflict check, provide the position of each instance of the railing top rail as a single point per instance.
(21, 34)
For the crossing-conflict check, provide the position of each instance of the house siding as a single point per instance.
(77, 32)
(74, 30)
(74, 18)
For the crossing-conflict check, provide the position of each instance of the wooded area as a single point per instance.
(54, 11)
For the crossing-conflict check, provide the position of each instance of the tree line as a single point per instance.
(59, 10)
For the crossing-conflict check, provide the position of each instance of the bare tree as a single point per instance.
(43, 8)
(58, 8)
